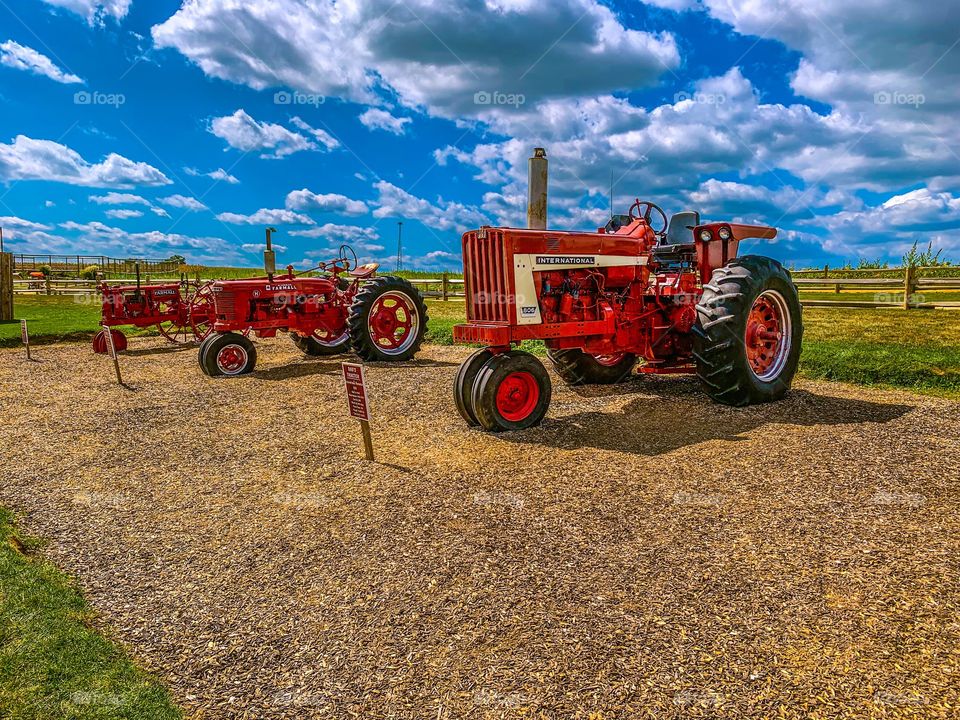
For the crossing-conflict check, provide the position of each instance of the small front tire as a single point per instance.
(314, 346)
(463, 384)
(229, 355)
(512, 392)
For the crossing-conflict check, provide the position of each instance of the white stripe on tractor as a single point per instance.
(527, 302)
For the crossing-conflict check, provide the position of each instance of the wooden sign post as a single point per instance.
(25, 337)
(112, 348)
(358, 402)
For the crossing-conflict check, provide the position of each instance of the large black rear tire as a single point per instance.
(314, 347)
(387, 320)
(575, 367)
(749, 332)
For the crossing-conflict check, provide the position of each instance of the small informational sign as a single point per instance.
(356, 384)
(358, 402)
(112, 349)
(25, 337)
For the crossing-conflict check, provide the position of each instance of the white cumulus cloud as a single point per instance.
(21, 57)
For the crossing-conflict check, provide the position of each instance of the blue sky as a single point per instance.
(149, 128)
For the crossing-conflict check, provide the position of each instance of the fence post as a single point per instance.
(6, 286)
(826, 271)
(446, 286)
(908, 285)
(46, 284)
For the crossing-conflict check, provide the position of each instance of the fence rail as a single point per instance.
(76, 263)
(906, 292)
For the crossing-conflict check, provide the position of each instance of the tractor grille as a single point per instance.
(225, 304)
(486, 279)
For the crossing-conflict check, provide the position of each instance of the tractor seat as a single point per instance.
(680, 230)
(364, 271)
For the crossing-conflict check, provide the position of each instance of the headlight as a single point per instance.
(724, 233)
(706, 235)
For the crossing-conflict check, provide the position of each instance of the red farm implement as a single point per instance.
(181, 312)
(671, 295)
(345, 308)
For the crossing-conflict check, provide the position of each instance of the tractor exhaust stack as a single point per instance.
(537, 190)
(269, 256)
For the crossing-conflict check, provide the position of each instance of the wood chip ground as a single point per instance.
(643, 554)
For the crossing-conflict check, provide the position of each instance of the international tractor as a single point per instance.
(345, 308)
(665, 297)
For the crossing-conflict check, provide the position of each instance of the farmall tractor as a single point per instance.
(347, 308)
(182, 312)
(672, 295)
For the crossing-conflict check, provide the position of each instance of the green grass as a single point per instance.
(915, 349)
(52, 664)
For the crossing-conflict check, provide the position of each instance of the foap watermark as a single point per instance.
(886, 498)
(99, 99)
(483, 97)
(697, 697)
(294, 97)
(495, 699)
(87, 498)
(699, 499)
(89, 698)
(300, 500)
(701, 98)
(498, 499)
(886, 697)
(895, 97)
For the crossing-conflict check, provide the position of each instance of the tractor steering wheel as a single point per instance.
(648, 208)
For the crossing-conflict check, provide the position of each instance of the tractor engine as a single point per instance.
(299, 303)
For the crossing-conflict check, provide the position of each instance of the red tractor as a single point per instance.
(673, 295)
(379, 318)
(182, 312)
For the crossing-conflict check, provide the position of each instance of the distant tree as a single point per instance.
(178, 259)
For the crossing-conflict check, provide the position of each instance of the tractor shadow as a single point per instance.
(170, 349)
(670, 414)
(301, 369)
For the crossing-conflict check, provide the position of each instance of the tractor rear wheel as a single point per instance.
(576, 367)
(387, 320)
(320, 344)
(463, 384)
(204, 344)
(749, 332)
(512, 392)
(100, 342)
(228, 355)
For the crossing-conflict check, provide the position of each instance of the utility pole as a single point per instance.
(400, 245)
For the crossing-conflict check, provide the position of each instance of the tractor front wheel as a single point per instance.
(229, 354)
(748, 333)
(387, 320)
(320, 343)
(576, 367)
(511, 392)
(463, 384)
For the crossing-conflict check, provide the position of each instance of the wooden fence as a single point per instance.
(6, 287)
(441, 288)
(74, 264)
(906, 291)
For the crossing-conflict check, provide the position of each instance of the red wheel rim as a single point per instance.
(609, 360)
(517, 396)
(393, 323)
(231, 359)
(202, 313)
(768, 335)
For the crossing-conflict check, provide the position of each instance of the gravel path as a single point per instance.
(644, 553)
